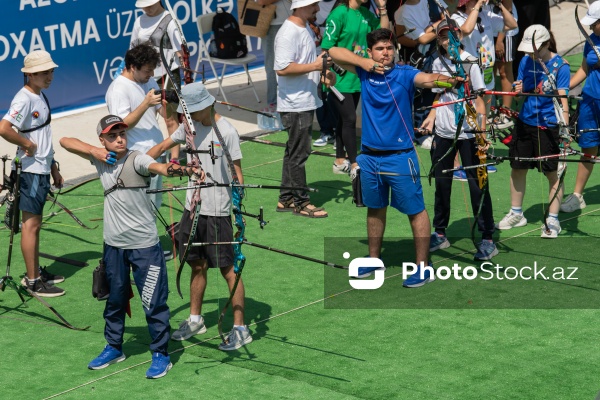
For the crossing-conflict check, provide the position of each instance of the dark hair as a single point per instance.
(381, 35)
(552, 43)
(140, 55)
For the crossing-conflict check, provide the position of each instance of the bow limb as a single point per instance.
(587, 37)
(185, 52)
(237, 194)
(193, 161)
(563, 131)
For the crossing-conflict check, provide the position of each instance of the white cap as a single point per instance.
(592, 15)
(38, 61)
(541, 35)
(145, 3)
(302, 3)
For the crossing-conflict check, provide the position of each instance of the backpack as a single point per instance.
(229, 41)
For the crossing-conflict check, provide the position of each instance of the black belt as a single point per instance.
(372, 152)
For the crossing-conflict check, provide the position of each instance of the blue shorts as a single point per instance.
(398, 172)
(589, 110)
(34, 190)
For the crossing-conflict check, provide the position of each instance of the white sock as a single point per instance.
(555, 216)
(195, 318)
(517, 210)
(240, 327)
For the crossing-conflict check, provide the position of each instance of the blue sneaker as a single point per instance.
(459, 175)
(487, 250)
(491, 169)
(437, 241)
(161, 364)
(109, 355)
(415, 280)
(365, 272)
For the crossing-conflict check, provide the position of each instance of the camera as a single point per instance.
(169, 95)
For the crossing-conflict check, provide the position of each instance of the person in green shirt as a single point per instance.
(347, 26)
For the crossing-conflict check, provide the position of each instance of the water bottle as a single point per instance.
(212, 47)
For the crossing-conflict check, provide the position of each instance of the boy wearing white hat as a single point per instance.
(29, 115)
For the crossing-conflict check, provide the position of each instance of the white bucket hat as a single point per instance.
(37, 61)
(592, 15)
(145, 3)
(302, 3)
(541, 35)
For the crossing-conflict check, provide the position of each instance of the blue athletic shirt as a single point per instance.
(387, 120)
(592, 83)
(539, 111)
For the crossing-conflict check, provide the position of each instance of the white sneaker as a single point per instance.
(502, 122)
(187, 329)
(553, 229)
(573, 203)
(354, 172)
(426, 144)
(342, 169)
(324, 140)
(512, 220)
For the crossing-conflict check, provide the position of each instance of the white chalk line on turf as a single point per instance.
(290, 311)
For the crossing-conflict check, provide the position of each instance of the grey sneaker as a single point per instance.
(553, 229)
(512, 220)
(43, 289)
(187, 329)
(324, 140)
(342, 169)
(236, 339)
(572, 203)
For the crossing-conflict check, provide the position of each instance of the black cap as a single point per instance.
(109, 122)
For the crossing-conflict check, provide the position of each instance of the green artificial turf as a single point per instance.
(314, 337)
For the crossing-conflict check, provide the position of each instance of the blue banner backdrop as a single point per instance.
(87, 39)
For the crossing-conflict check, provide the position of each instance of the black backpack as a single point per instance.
(230, 43)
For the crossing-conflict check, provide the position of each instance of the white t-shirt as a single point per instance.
(294, 43)
(144, 27)
(445, 125)
(122, 97)
(482, 44)
(216, 201)
(129, 221)
(415, 16)
(28, 110)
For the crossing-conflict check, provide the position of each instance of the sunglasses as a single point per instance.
(479, 26)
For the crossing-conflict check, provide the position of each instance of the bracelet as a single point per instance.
(382, 8)
(383, 14)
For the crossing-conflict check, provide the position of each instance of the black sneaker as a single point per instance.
(44, 290)
(48, 277)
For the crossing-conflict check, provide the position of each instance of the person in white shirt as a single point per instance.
(298, 66)
(150, 27)
(29, 115)
(134, 97)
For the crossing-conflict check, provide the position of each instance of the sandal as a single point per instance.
(287, 206)
(308, 210)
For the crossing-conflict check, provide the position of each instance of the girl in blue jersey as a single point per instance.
(589, 108)
(537, 131)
